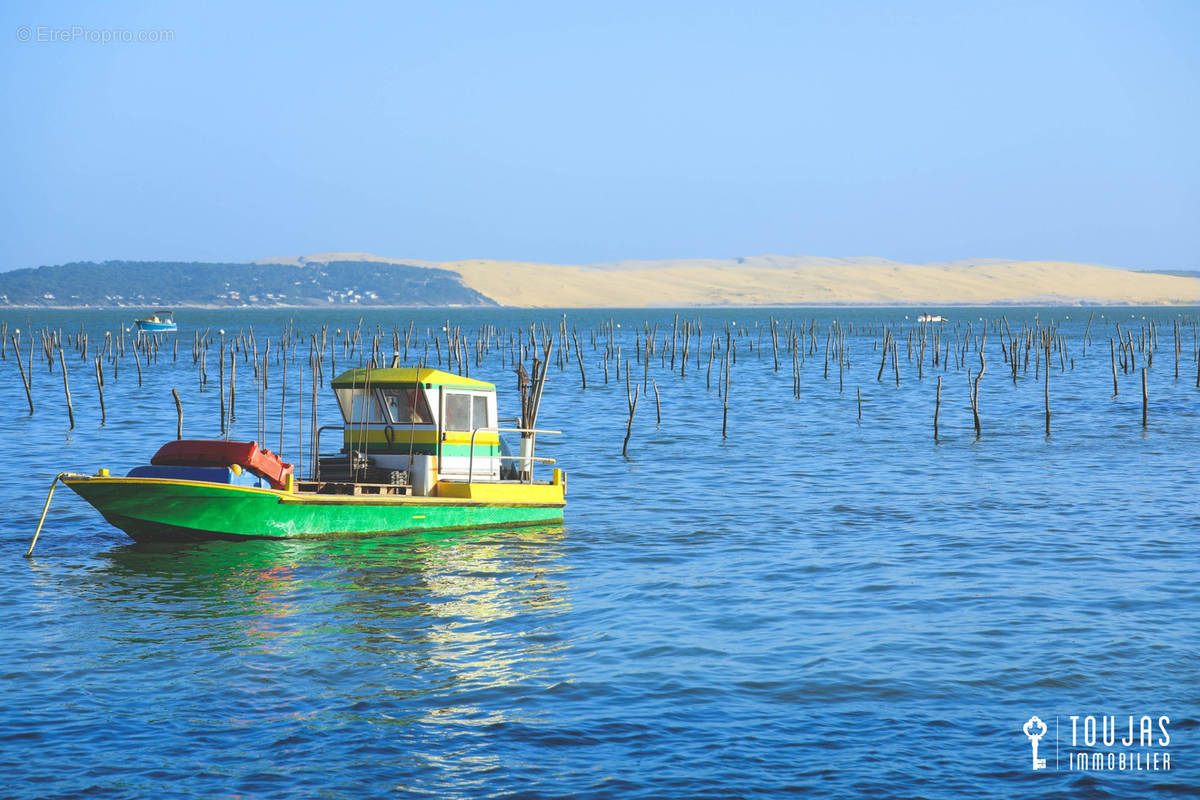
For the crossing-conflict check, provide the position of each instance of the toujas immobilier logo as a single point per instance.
(1102, 743)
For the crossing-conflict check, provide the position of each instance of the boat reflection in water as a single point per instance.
(395, 630)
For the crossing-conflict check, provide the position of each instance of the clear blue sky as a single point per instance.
(583, 132)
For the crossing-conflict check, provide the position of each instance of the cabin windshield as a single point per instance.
(358, 407)
(392, 405)
(406, 406)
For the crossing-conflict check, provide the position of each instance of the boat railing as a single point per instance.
(317, 460)
(530, 459)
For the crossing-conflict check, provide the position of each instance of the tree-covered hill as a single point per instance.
(174, 284)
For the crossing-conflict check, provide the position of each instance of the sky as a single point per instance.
(576, 132)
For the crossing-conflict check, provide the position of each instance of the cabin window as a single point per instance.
(458, 412)
(479, 415)
(406, 406)
(466, 412)
(358, 407)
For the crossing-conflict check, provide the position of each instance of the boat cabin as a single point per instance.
(393, 416)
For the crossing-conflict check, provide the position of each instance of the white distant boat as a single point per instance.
(932, 318)
(158, 322)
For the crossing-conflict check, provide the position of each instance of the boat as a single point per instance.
(931, 318)
(158, 322)
(420, 450)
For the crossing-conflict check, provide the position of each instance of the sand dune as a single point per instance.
(803, 280)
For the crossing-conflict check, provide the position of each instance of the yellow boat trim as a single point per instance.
(456, 437)
(407, 376)
(403, 434)
(503, 492)
(170, 482)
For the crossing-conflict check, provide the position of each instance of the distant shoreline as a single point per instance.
(141, 310)
(347, 281)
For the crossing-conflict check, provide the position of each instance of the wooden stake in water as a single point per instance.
(579, 358)
(1047, 384)
(828, 339)
(887, 337)
(100, 388)
(775, 343)
(921, 354)
(896, 362)
(66, 388)
(937, 407)
(232, 384)
(178, 414)
(1145, 399)
(632, 400)
(795, 369)
(221, 383)
(975, 394)
(1112, 352)
(725, 394)
(674, 339)
(29, 394)
(1176, 349)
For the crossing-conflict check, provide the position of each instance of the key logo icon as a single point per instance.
(1035, 729)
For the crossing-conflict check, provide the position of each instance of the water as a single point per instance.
(813, 605)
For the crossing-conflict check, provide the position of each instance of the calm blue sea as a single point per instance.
(816, 604)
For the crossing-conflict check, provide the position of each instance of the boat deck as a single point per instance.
(351, 488)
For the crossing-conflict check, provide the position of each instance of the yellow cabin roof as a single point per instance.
(407, 376)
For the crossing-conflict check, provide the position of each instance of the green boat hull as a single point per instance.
(169, 510)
